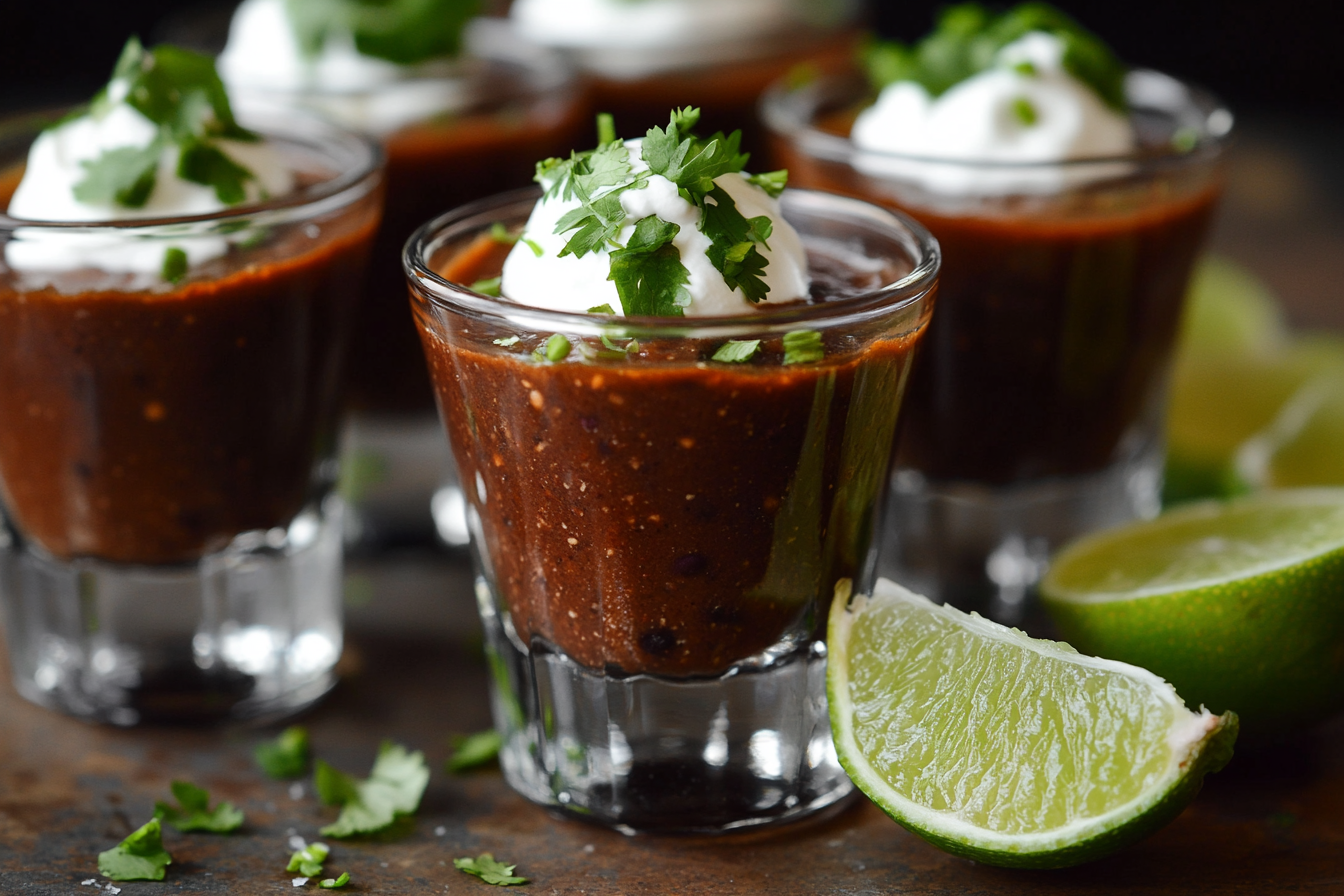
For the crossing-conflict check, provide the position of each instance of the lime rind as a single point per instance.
(1198, 744)
(1290, 547)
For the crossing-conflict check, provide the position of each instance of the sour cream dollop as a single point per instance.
(1027, 108)
(578, 284)
(56, 164)
(263, 59)
(625, 40)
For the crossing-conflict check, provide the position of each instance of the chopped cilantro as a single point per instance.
(308, 861)
(487, 287)
(772, 182)
(606, 128)
(175, 265)
(287, 756)
(1025, 68)
(487, 869)
(1025, 111)
(500, 234)
(394, 787)
(473, 750)
(180, 92)
(557, 348)
(506, 341)
(534, 246)
(604, 308)
(335, 883)
(968, 37)
(649, 275)
(803, 347)
(631, 346)
(402, 31)
(193, 811)
(735, 351)
(1185, 139)
(140, 856)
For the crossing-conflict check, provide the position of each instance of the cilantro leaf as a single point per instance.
(803, 347)
(473, 750)
(402, 31)
(686, 160)
(336, 883)
(649, 275)
(506, 341)
(500, 234)
(487, 869)
(204, 163)
(308, 861)
(123, 176)
(735, 351)
(557, 348)
(967, 38)
(772, 182)
(175, 264)
(287, 756)
(734, 244)
(487, 287)
(140, 856)
(394, 787)
(193, 811)
(604, 308)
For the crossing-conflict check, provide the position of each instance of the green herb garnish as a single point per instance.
(534, 246)
(1025, 111)
(556, 348)
(803, 347)
(175, 264)
(487, 287)
(968, 37)
(180, 92)
(335, 883)
(308, 861)
(604, 308)
(402, 31)
(287, 756)
(506, 341)
(393, 788)
(487, 869)
(631, 346)
(473, 750)
(772, 182)
(193, 811)
(500, 234)
(140, 856)
(735, 351)
(649, 275)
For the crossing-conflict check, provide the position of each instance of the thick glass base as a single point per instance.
(984, 548)
(392, 468)
(253, 631)
(644, 754)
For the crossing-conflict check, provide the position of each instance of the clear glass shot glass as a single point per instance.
(453, 131)
(657, 534)
(1035, 411)
(172, 549)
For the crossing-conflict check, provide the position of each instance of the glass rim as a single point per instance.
(476, 217)
(789, 111)
(352, 181)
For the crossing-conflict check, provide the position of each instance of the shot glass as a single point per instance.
(1035, 411)
(453, 132)
(657, 534)
(167, 446)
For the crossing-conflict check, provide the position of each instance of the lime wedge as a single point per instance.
(1239, 605)
(1304, 445)
(1229, 311)
(1002, 748)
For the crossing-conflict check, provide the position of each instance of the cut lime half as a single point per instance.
(1003, 748)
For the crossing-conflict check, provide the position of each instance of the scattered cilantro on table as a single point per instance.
(193, 811)
(473, 750)
(308, 861)
(393, 788)
(288, 756)
(140, 856)
(487, 869)
(968, 36)
(335, 883)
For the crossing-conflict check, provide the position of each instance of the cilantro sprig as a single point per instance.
(487, 869)
(968, 37)
(402, 31)
(648, 271)
(287, 756)
(181, 93)
(140, 856)
(473, 750)
(309, 860)
(193, 813)
(393, 788)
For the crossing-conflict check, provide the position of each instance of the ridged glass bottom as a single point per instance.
(644, 754)
(984, 548)
(252, 631)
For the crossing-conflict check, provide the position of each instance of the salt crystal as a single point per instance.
(113, 890)
(91, 882)
(440, 831)
(590, 849)
(298, 882)
(296, 791)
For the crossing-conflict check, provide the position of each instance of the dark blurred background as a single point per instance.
(1284, 55)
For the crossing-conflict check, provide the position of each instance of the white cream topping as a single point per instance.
(577, 284)
(625, 40)
(263, 58)
(978, 121)
(55, 166)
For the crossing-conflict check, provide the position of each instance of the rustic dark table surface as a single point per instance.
(1270, 823)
